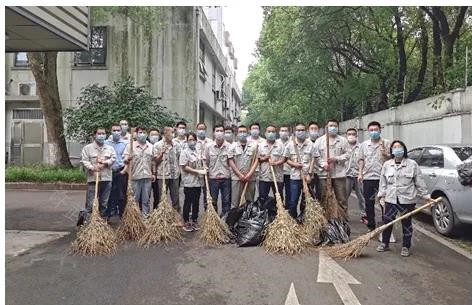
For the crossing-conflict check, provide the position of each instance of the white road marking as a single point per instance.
(18, 241)
(330, 272)
(291, 296)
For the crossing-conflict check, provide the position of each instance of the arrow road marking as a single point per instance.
(291, 296)
(330, 272)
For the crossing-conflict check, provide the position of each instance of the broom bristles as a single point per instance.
(214, 231)
(353, 248)
(163, 225)
(96, 238)
(132, 226)
(284, 235)
(314, 219)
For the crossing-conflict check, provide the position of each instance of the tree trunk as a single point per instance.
(43, 66)
(424, 60)
(402, 69)
(438, 75)
(383, 97)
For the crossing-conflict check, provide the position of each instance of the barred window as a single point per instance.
(97, 54)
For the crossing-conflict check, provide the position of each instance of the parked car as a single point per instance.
(438, 166)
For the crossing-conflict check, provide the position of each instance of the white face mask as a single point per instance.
(351, 139)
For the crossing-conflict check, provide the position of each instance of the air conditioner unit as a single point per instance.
(27, 89)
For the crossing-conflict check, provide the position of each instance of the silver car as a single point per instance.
(438, 165)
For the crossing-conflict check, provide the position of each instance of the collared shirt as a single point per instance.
(201, 146)
(373, 160)
(217, 160)
(189, 158)
(306, 154)
(90, 153)
(181, 144)
(287, 168)
(126, 137)
(242, 157)
(119, 148)
(352, 165)
(402, 182)
(142, 160)
(338, 149)
(169, 160)
(276, 153)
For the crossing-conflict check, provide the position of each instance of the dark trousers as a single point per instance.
(295, 191)
(371, 188)
(116, 201)
(316, 186)
(286, 186)
(391, 211)
(223, 186)
(104, 189)
(156, 194)
(191, 201)
(264, 189)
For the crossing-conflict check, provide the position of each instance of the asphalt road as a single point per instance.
(187, 273)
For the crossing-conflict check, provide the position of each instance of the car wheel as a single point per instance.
(443, 217)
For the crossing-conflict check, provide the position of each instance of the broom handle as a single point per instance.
(275, 180)
(431, 203)
(243, 194)
(302, 175)
(97, 178)
(327, 152)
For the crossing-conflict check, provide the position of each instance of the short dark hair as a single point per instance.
(181, 123)
(255, 124)
(229, 128)
(154, 129)
(218, 126)
(314, 123)
(332, 120)
(299, 123)
(242, 126)
(201, 123)
(140, 128)
(351, 129)
(405, 151)
(374, 123)
(191, 133)
(100, 128)
(271, 125)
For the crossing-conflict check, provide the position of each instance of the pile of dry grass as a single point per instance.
(314, 219)
(132, 226)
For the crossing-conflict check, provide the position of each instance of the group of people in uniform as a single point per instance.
(238, 159)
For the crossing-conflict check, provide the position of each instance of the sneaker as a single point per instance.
(195, 226)
(405, 252)
(188, 227)
(382, 248)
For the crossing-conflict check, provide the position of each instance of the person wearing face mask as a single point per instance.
(315, 184)
(372, 155)
(181, 138)
(125, 135)
(254, 130)
(352, 171)
(116, 202)
(165, 156)
(305, 149)
(192, 180)
(242, 172)
(339, 152)
(97, 157)
(229, 134)
(284, 134)
(401, 186)
(271, 153)
(141, 169)
(217, 155)
(202, 142)
(154, 137)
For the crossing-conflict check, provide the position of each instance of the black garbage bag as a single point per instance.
(232, 217)
(336, 231)
(465, 172)
(271, 207)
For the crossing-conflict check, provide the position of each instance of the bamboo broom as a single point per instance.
(214, 231)
(283, 235)
(97, 237)
(253, 160)
(314, 219)
(163, 223)
(132, 226)
(354, 248)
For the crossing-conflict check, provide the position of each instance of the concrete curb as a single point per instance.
(45, 186)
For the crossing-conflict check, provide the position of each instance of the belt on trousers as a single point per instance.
(118, 169)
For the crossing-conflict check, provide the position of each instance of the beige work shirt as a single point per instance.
(90, 153)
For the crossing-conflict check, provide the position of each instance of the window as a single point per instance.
(21, 60)
(202, 52)
(415, 154)
(201, 63)
(213, 79)
(432, 157)
(463, 152)
(97, 54)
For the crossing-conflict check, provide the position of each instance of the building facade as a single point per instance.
(180, 60)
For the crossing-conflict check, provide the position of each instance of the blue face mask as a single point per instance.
(154, 139)
(300, 134)
(142, 137)
(100, 138)
(398, 152)
(254, 133)
(242, 136)
(124, 128)
(192, 144)
(228, 136)
(201, 134)
(374, 135)
(116, 135)
(270, 136)
(333, 130)
(284, 135)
